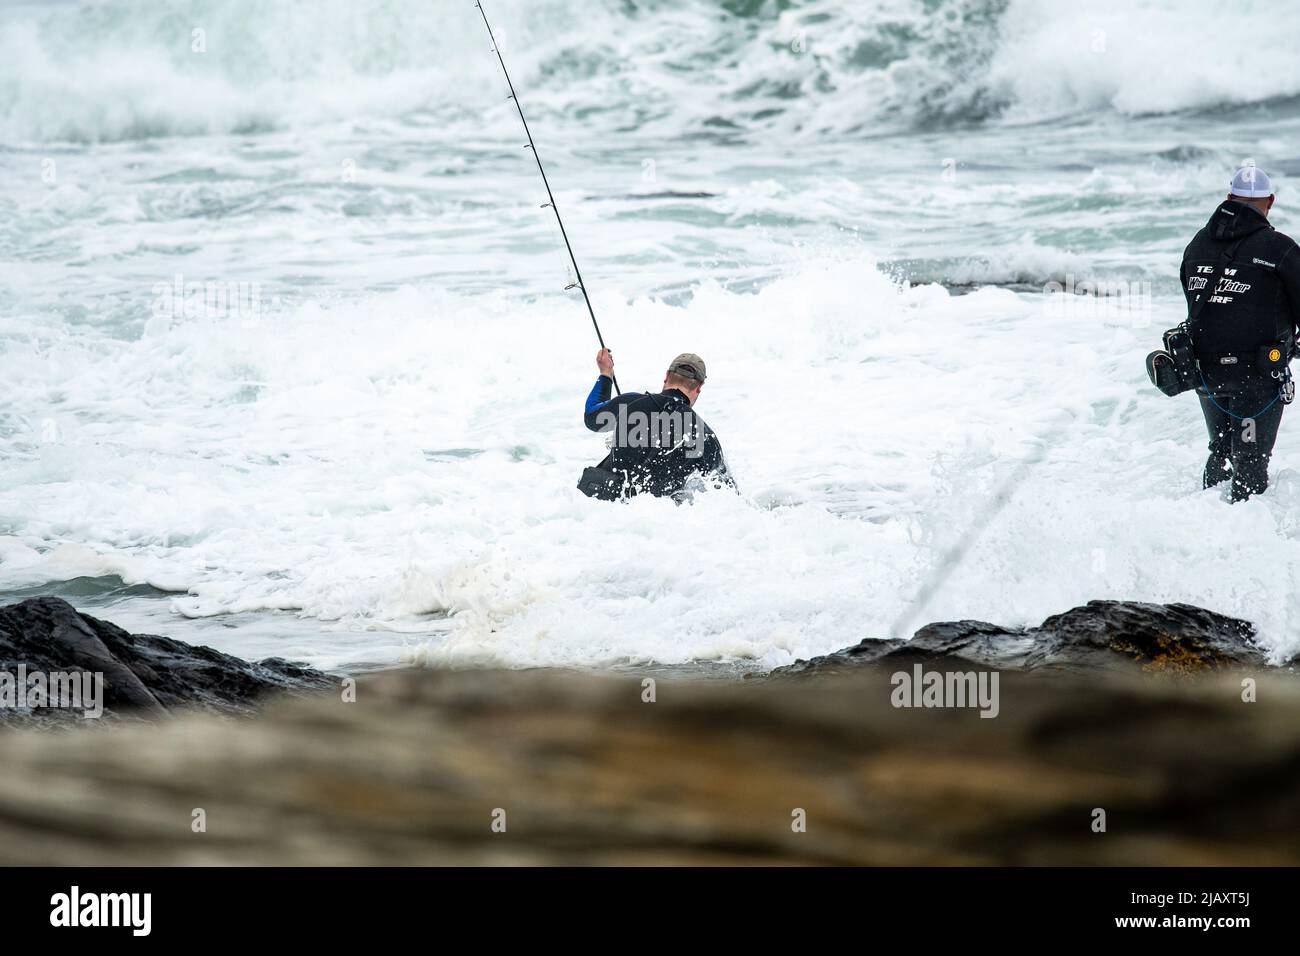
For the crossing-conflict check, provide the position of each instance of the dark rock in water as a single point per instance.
(1158, 637)
(143, 674)
(1161, 638)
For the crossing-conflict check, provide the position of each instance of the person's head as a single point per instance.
(686, 374)
(1252, 186)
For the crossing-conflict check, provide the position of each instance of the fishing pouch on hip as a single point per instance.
(602, 484)
(1173, 370)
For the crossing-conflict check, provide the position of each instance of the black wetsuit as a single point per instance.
(1242, 282)
(659, 444)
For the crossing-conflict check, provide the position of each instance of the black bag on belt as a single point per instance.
(1173, 369)
(602, 483)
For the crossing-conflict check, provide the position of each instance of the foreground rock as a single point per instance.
(581, 770)
(144, 675)
(1101, 635)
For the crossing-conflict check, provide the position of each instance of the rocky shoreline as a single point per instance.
(147, 675)
(143, 675)
(817, 763)
(1109, 636)
(548, 768)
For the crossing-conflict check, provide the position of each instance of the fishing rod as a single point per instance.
(496, 48)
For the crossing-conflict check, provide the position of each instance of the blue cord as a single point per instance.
(1240, 418)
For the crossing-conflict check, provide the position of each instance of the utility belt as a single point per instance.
(1179, 367)
(1266, 358)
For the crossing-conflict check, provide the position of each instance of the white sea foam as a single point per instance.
(1131, 57)
(397, 463)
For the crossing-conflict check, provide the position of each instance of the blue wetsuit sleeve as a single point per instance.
(596, 400)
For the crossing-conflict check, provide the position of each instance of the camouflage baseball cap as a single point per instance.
(688, 365)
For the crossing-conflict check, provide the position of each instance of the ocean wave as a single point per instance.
(124, 69)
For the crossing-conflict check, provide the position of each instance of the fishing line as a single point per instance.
(577, 273)
(955, 555)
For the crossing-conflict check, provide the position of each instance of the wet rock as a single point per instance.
(581, 770)
(1100, 635)
(143, 675)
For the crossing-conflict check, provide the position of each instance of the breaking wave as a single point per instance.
(127, 69)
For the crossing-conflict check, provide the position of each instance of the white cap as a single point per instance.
(1251, 182)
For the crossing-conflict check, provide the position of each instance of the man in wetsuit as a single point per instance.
(659, 442)
(1241, 278)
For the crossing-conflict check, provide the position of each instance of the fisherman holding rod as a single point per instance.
(659, 445)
